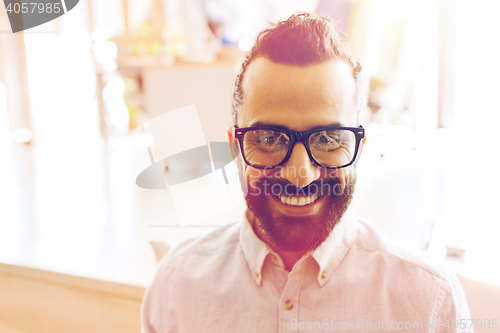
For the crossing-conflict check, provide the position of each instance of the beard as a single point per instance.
(299, 233)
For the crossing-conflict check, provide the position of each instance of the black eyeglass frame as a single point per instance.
(295, 137)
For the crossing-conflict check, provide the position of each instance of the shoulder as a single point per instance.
(399, 270)
(376, 243)
(183, 276)
(397, 265)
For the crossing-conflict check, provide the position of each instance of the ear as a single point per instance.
(233, 143)
(361, 145)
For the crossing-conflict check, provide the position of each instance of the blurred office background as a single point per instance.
(76, 230)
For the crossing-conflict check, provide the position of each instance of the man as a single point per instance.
(299, 260)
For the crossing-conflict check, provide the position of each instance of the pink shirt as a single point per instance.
(357, 280)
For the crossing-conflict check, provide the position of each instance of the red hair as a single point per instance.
(303, 39)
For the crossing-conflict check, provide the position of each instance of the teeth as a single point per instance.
(298, 201)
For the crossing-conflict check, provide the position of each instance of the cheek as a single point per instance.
(342, 174)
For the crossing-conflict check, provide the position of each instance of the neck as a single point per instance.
(289, 257)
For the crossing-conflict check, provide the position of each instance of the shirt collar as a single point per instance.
(328, 255)
(254, 249)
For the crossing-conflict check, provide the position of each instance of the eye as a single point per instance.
(267, 138)
(325, 140)
(330, 138)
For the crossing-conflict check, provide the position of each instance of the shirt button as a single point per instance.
(256, 274)
(324, 274)
(288, 305)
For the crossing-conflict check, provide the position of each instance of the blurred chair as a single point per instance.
(160, 248)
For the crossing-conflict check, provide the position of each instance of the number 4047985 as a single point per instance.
(34, 7)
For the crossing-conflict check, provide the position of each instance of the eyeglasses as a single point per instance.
(269, 147)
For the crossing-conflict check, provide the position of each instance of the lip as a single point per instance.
(309, 209)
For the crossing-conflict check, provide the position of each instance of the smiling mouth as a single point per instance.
(298, 201)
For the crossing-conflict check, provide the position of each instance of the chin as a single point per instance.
(294, 227)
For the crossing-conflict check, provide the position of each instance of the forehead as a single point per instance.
(298, 98)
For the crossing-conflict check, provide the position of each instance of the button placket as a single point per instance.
(289, 301)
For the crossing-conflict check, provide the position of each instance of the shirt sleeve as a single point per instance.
(454, 315)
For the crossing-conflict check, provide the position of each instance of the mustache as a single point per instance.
(278, 186)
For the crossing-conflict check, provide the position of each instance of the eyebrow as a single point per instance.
(264, 124)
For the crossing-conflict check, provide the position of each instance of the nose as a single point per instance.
(299, 169)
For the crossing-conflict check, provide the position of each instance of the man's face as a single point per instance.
(299, 99)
